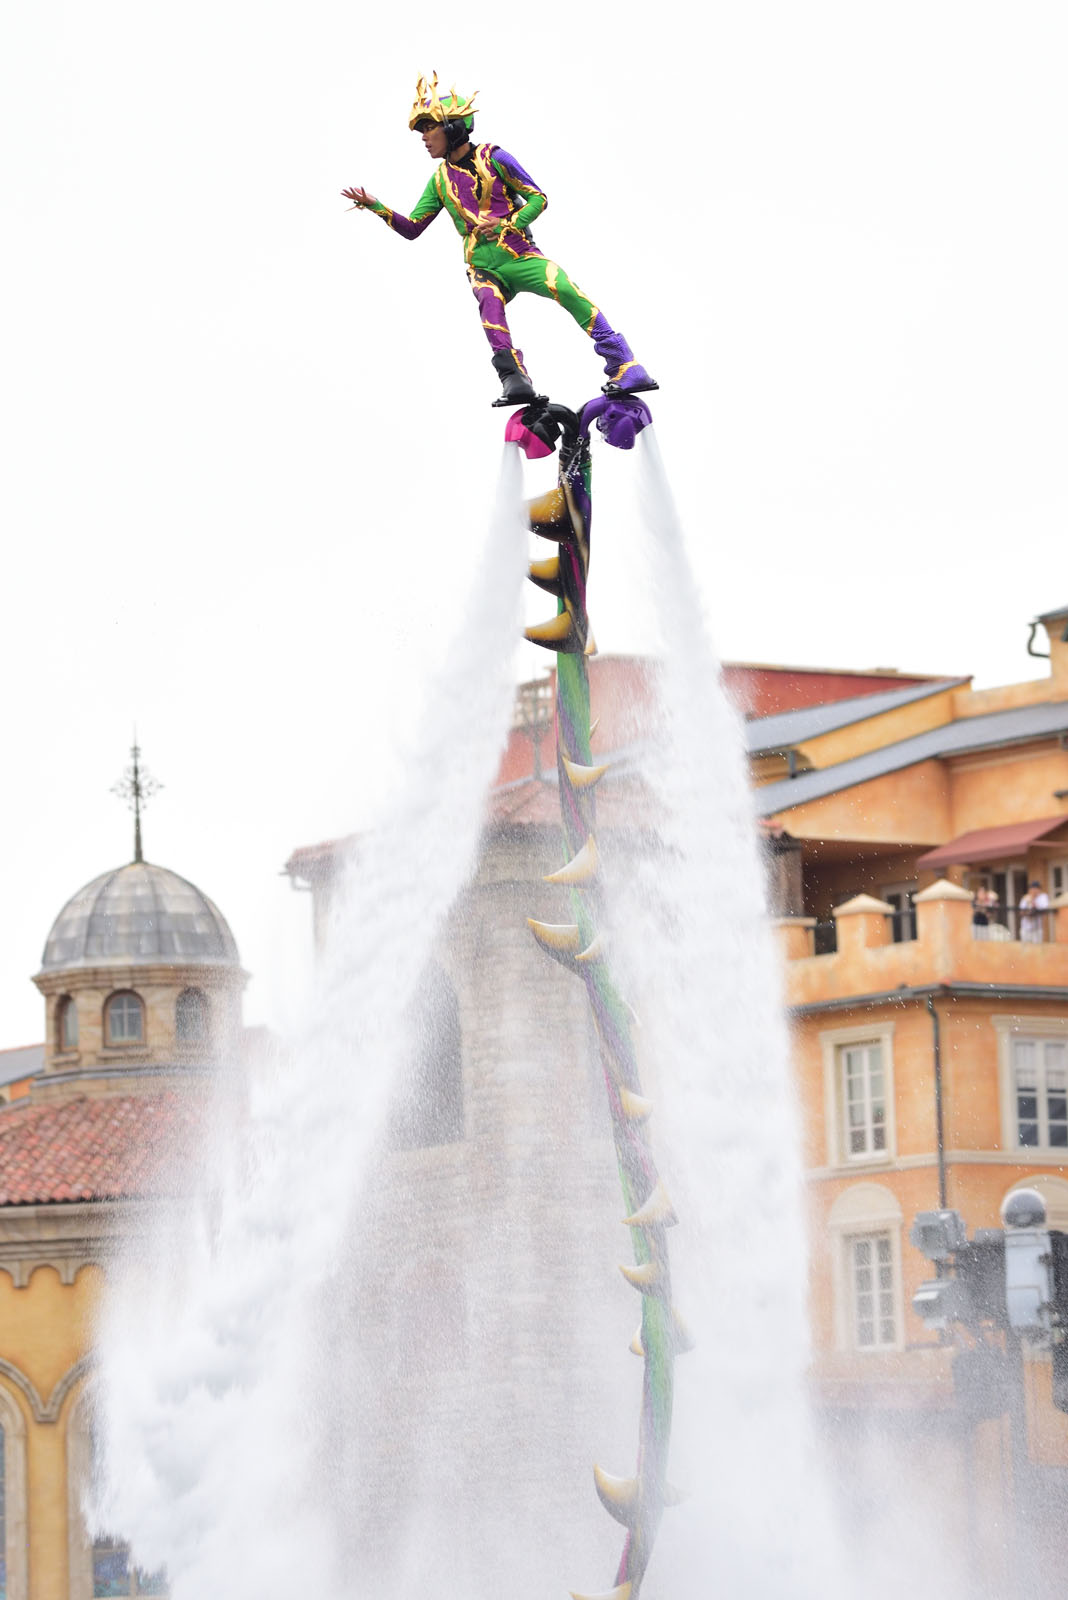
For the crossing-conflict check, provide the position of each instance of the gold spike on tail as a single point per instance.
(581, 868)
(621, 1497)
(657, 1210)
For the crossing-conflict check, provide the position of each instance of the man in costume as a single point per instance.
(492, 203)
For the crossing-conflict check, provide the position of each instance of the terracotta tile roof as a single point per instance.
(102, 1147)
(623, 802)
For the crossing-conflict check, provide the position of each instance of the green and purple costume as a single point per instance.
(489, 184)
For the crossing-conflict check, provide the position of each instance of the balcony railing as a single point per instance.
(872, 946)
(902, 926)
(1003, 923)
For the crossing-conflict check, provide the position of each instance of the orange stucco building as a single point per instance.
(930, 1038)
(927, 979)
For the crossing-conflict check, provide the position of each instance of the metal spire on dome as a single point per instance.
(136, 787)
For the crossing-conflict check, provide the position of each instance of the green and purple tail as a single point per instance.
(563, 517)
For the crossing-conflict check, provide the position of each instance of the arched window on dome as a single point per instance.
(66, 1024)
(124, 1018)
(428, 1108)
(192, 1017)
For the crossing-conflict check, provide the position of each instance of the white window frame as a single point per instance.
(864, 1211)
(1058, 870)
(833, 1043)
(879, 1240)
(1009, 1029)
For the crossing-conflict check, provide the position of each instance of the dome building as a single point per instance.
(142, 985)
(141, 979)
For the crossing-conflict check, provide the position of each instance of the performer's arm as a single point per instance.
(427, 208)
(521, 184)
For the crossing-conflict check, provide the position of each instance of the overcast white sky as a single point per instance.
(247, 437)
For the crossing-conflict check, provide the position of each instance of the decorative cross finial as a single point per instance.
(136, 787)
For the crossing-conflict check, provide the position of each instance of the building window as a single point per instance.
(858, 1094)
(13, 1509)
(903, 920)
(865, 1224)
(1040, 1091)
(124, 1017)
(1033, 1086)
(191, 1017)
(1007, 885)
(873, 1295)
(863, 1087)
(428, 1108)
(67, 1024)
(113, 1573)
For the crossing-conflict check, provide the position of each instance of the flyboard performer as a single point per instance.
(492, 202)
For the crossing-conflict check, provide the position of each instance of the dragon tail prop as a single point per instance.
(563, 517)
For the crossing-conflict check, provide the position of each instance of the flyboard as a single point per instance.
(563, 518)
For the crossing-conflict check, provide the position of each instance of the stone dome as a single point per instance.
(139, 913)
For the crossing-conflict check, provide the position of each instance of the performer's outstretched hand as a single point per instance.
(359, 197)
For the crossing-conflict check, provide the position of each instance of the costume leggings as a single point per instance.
(538, 275)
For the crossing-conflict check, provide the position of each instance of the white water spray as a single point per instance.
(207, 1339)
(694, 944)
(236, 1459)
(763, 1515)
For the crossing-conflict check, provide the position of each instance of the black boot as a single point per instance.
(516, 387)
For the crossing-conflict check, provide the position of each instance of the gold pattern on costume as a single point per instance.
(485, 179)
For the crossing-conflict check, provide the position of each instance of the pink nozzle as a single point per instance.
(532, 447)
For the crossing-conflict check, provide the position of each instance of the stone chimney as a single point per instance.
(1056, 626)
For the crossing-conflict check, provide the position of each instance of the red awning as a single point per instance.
(990, 844)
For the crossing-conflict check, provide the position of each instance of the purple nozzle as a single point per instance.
(620, 418)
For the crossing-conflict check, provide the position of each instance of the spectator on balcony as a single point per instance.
(984, 907)
(1033, 906)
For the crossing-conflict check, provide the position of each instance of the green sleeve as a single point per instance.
(429, 202)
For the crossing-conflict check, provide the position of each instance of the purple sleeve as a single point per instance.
(522, 184)
(427, 208)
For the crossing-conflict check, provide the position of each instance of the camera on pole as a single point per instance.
(970, 1287)
(1015, 1278)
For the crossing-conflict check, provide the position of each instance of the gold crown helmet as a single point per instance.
(429, 104)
